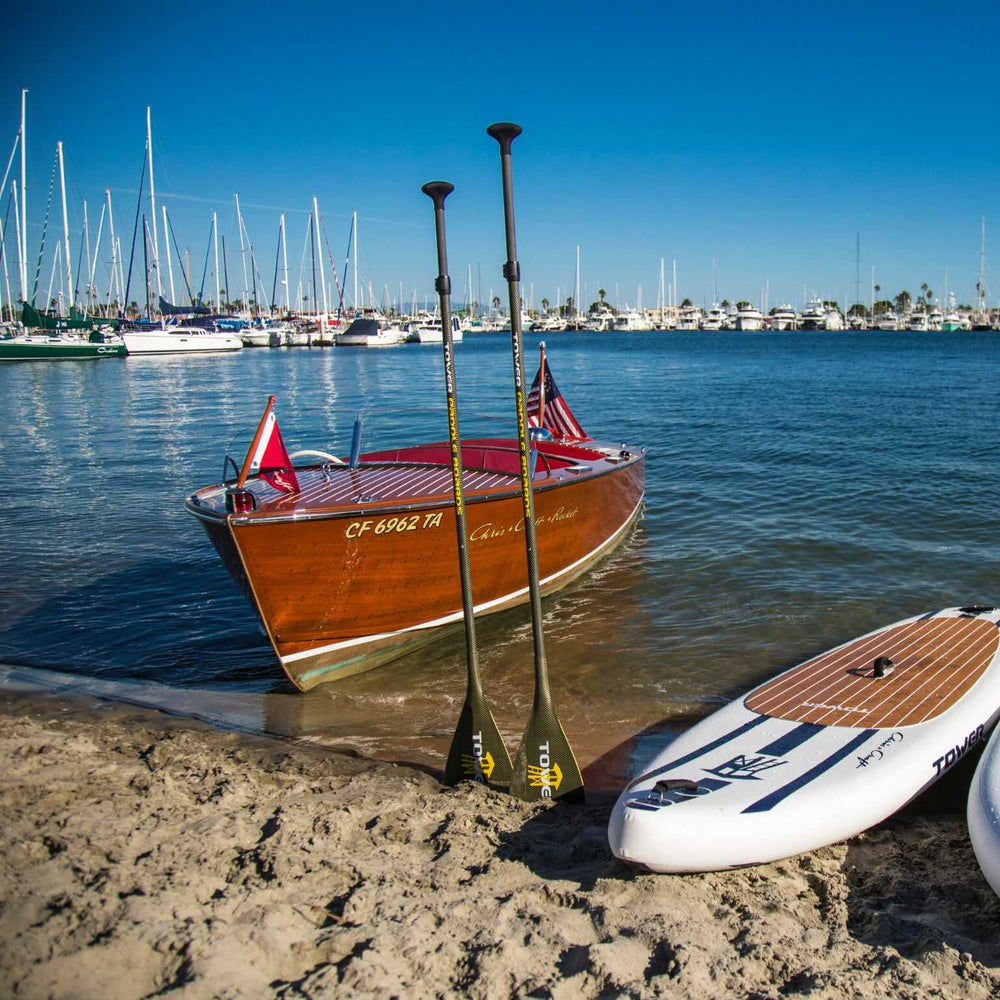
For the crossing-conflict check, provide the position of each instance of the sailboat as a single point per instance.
(48, 336)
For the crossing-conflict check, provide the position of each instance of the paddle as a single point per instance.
(477, 748)
(544, 767)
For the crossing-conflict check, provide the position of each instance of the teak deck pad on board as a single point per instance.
(935, 662)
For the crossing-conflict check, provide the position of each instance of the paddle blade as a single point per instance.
(545, 767)
(477, 750)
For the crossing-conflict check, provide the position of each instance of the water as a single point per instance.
(801, 489)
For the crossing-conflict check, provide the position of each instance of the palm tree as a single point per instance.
(496, 303)
(545, 305)
(601, 293)
(686, 304)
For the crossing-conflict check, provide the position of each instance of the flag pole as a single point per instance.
(541, 384)
(251, 451)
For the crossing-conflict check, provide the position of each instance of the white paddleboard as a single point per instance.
(819, 753)
(984, 812)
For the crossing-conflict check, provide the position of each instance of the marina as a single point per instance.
(615, 615)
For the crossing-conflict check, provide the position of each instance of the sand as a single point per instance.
(149, 856)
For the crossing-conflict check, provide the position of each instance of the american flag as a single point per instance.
(558, 417)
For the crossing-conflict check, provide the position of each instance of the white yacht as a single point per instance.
(715, 319)
(918, 321)
(629, 320)
(888, 320)
(429, 331)
(370, 333)
(256, 336)
(689, 318)
(784, 318)
(935, 320)
(749, 318)
(180, 340)
(835, 319)
(813, 315)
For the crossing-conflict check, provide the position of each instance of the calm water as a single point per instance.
(801, 489)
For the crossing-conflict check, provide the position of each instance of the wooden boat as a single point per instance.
(358, 564)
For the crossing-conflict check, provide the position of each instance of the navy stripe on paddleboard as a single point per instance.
(701, 751)
(791, 740)
(780, 794)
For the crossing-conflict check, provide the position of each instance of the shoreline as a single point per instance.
(147, 853)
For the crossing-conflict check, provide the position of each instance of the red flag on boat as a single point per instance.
(547, 407)
(268, 455)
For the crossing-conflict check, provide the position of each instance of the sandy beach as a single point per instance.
(149, 855)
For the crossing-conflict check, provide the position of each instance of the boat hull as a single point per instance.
(341, 592)
(51, 349)
(178, 342)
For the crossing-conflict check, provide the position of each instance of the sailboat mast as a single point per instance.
(166, 241)
(354, 230)
(312, 259)
(284, 258)
(243, 252)
(145, 262)
(152, 202)
(92, 267)
(319, 253)
(215, 240)
(663, 293)
(114, 246)
(62, 188)
(24, 200)
(982, 258)
(17, 233)
(225, 271)
(576, 292)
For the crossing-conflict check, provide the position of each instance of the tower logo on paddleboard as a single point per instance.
(745, 768)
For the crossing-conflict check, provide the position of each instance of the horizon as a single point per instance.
(759, 147)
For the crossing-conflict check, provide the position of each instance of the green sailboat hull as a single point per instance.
(34, 348)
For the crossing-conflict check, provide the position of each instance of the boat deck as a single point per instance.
(417, 475)
(936, 661)
(340, 486)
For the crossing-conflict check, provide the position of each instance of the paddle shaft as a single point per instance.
(512, 272)
(438, 191)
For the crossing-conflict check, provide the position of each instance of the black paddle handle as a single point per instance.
(437, 191)
(505, 133)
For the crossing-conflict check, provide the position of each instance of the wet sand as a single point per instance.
(145, 854)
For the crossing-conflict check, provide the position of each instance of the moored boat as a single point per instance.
(370, 333)
(351, 563)
(180, 340)
(41, 346)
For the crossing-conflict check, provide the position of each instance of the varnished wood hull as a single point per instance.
(346, 589)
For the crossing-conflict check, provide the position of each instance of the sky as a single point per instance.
(769, 138)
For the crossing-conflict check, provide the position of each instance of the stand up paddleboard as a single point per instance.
(984, 812)
(819, 753)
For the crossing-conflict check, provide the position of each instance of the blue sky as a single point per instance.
(765, 136)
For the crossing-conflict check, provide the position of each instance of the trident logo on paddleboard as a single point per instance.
(478, 765)
(546, 775)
